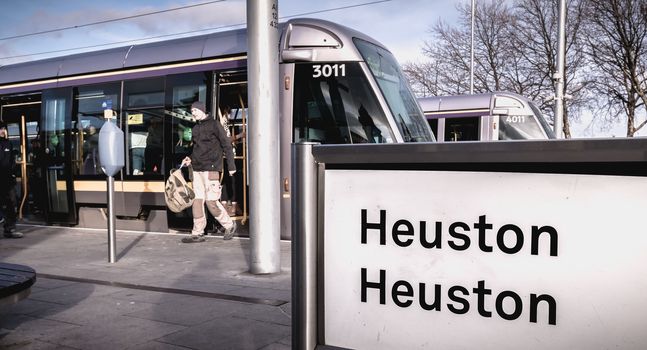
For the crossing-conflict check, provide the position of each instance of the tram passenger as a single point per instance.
(36, 182)
(54, 146)
(230, 190)
(154, 147)
(185, 142)
(209, 143)
(372, 133)
(138, 151)
(8, 199)
(91, 151)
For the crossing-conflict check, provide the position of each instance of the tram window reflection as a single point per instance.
(13, 134)
(144, 113)
(337, 109)
(91, 164)
(519, 127)
(237, 128)
(89, 104)
(181, 91)
(145, 140)
(137, 135)
(433, 123)
(462, 129)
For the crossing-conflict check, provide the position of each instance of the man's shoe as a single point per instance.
(229, 233)
(193, 239)
(13, 234)
(217, 231)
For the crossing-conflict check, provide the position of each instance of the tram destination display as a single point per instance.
(443, 259)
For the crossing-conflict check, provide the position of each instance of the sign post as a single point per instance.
(530, 245)
(111, 156)
(304, 273)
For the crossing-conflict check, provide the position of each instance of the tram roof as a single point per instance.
(459, 102)
(455, 102)
(192, 48)
(136, 55)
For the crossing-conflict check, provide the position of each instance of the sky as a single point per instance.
(401, 25)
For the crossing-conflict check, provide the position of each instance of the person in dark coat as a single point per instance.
(210, 142)
(8, 183)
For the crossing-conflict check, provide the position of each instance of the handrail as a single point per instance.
(23, 164)
(244, 115)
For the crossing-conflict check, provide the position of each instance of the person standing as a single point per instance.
(210, 142)
(8, 183)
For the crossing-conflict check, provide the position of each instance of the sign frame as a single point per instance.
(619, 157)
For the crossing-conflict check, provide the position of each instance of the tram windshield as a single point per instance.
(401, 101)
(542, 120)
(334, 104)
(524, 127)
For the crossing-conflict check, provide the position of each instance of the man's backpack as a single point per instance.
(178, 194)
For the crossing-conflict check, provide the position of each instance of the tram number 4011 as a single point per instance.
(328, 70)
(515, 119)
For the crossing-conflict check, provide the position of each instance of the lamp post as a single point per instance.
(559, 74)
(472, 49)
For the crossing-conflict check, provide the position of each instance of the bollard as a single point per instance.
(111, 155)
(304, 240)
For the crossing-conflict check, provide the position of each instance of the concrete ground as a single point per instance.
(160, 294)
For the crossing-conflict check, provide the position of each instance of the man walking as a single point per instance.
(209, 143)
(8, 183)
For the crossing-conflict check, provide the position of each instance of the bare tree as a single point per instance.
(536, 39)
(449, 54)
(616, 44)
(496, 67)
(498, 62)
(495, 57)
(424, 77)
(515, 50)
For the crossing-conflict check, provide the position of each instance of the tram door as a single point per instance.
(22, 115)
(232, 112)
(56, 139)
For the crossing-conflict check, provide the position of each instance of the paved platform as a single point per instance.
(160, 294)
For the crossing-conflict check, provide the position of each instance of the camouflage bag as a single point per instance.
(177, 192)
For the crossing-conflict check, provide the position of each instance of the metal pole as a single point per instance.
(264, 161)
(472, 49)
(559, 74)
(23, 165)
(304, 252)
(112, 237)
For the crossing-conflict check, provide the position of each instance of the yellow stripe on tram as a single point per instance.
(120, 186)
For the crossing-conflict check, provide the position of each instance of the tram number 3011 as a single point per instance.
(328, 70)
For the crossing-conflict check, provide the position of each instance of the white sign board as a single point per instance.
(468, 260)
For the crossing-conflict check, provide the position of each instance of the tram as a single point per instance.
(485, 117)
(336, 85)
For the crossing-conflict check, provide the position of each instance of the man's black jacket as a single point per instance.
(7, 163)
(209, 143)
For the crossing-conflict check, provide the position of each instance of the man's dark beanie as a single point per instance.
(199, 105)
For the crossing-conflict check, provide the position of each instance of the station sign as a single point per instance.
(445, 260)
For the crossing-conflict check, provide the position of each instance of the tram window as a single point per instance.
(144, 101)
(433, 123)
(88, 111)
(519, 127)
(144, 93)
(13, 134)
(181, 91)
(338, 107)
(542, 120)
(395, 90)
(462, 129)
(237, 128)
